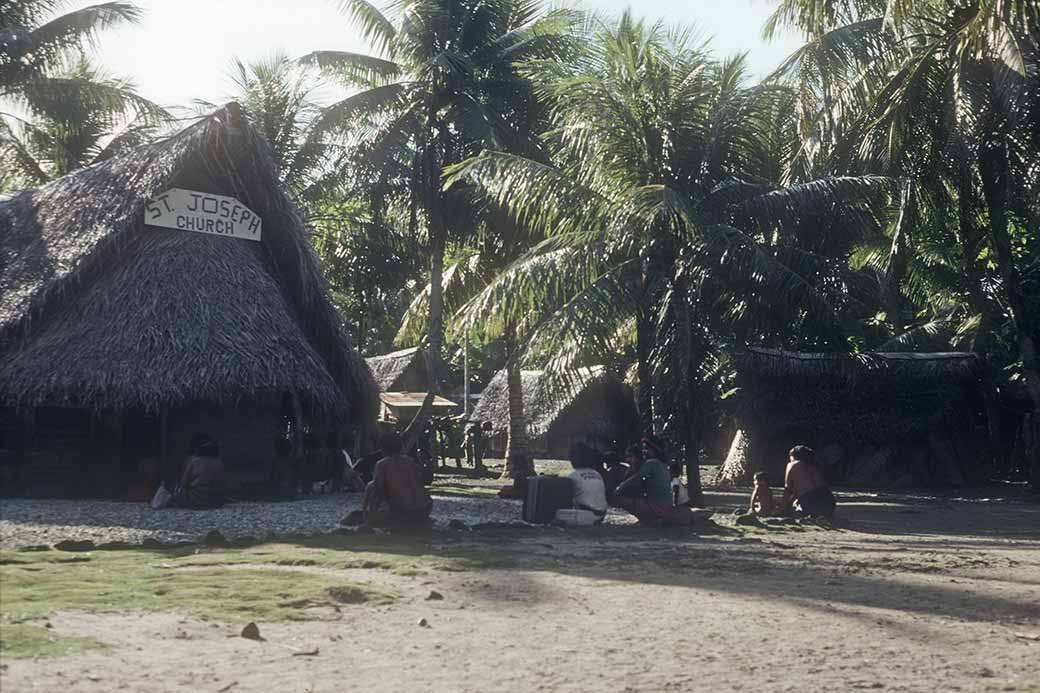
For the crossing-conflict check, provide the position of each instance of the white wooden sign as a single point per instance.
(187, 210)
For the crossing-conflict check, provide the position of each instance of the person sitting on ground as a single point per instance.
(518, 468)
(143, 486)
(204, 482)
(396, 496)
(590, 493)
(647, 492)
(614, 470)
(282, 486)
(804, 490)
(762, 503)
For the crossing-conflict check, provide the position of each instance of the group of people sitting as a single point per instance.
(395, 493)
(640, 484)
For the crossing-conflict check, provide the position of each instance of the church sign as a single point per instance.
(188, 210)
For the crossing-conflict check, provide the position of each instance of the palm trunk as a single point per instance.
(645, 393)
(430, 182)
(970, 240)
(993, 170)
(691, 447)
(518, 455)
(689, 421)
(898, 259)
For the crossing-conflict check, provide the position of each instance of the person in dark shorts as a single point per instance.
(804, 489)
(647, 492)
(396, 496)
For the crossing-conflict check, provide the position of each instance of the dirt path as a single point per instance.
(913, 595)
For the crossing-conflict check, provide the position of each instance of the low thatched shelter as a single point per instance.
(592, 406)
(875, 419)
(120, 339)
(401, 371)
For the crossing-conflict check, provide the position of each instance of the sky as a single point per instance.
(182, 49)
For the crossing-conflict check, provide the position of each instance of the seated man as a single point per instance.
(590, 493)
(804, 490)
(647, 492)
(762, 503)
(204, 481)
(396, 496)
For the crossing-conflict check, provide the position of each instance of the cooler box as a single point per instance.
(545, 495)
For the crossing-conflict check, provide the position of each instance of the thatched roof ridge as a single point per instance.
(757, 365)
(98, 310)
(546, 398)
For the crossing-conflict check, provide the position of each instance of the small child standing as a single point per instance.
(680, 496)
(762, 502)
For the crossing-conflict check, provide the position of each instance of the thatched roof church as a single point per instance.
(875, 419)
(592, 406)
(116, 331)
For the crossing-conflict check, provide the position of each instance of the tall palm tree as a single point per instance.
(661, 215)
(68, 129)
(443, 86)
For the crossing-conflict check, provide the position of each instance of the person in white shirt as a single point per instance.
(590, 493)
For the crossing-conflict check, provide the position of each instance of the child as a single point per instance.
(762, 502)
(680, 496)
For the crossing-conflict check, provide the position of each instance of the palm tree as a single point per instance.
(35, 45)
(68, 129)
(443, 86)
(277, 96)
(663, 219)
(943, 97)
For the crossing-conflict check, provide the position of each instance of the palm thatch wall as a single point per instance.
(875, 419)
(103, 313)
(401, 371)
(590, 405)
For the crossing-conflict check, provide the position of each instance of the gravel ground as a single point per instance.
(30, 522)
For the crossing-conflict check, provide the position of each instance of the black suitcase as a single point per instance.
(545, 495)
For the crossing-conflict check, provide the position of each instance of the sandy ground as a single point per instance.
(911, 595)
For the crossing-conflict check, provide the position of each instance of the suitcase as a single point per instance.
(545, 495)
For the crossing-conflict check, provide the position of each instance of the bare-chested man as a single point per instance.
(803, 486)
(396, 496)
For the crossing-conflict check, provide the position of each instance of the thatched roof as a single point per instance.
(98, 310)
(548, 400)
(756, 366)
(400, 370)
(866, 395)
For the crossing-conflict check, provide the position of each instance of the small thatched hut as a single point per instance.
(592, 406)
(875, 419)
(119, 339)
(401, 371)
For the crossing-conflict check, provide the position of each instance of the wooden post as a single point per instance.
(297, 425)
(164, 440)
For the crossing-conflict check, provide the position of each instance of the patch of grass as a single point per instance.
(125, 580)
(20, 640)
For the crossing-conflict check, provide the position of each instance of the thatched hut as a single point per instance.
(592, 406)
(401, 371)
(119, 339)
(875, 419)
